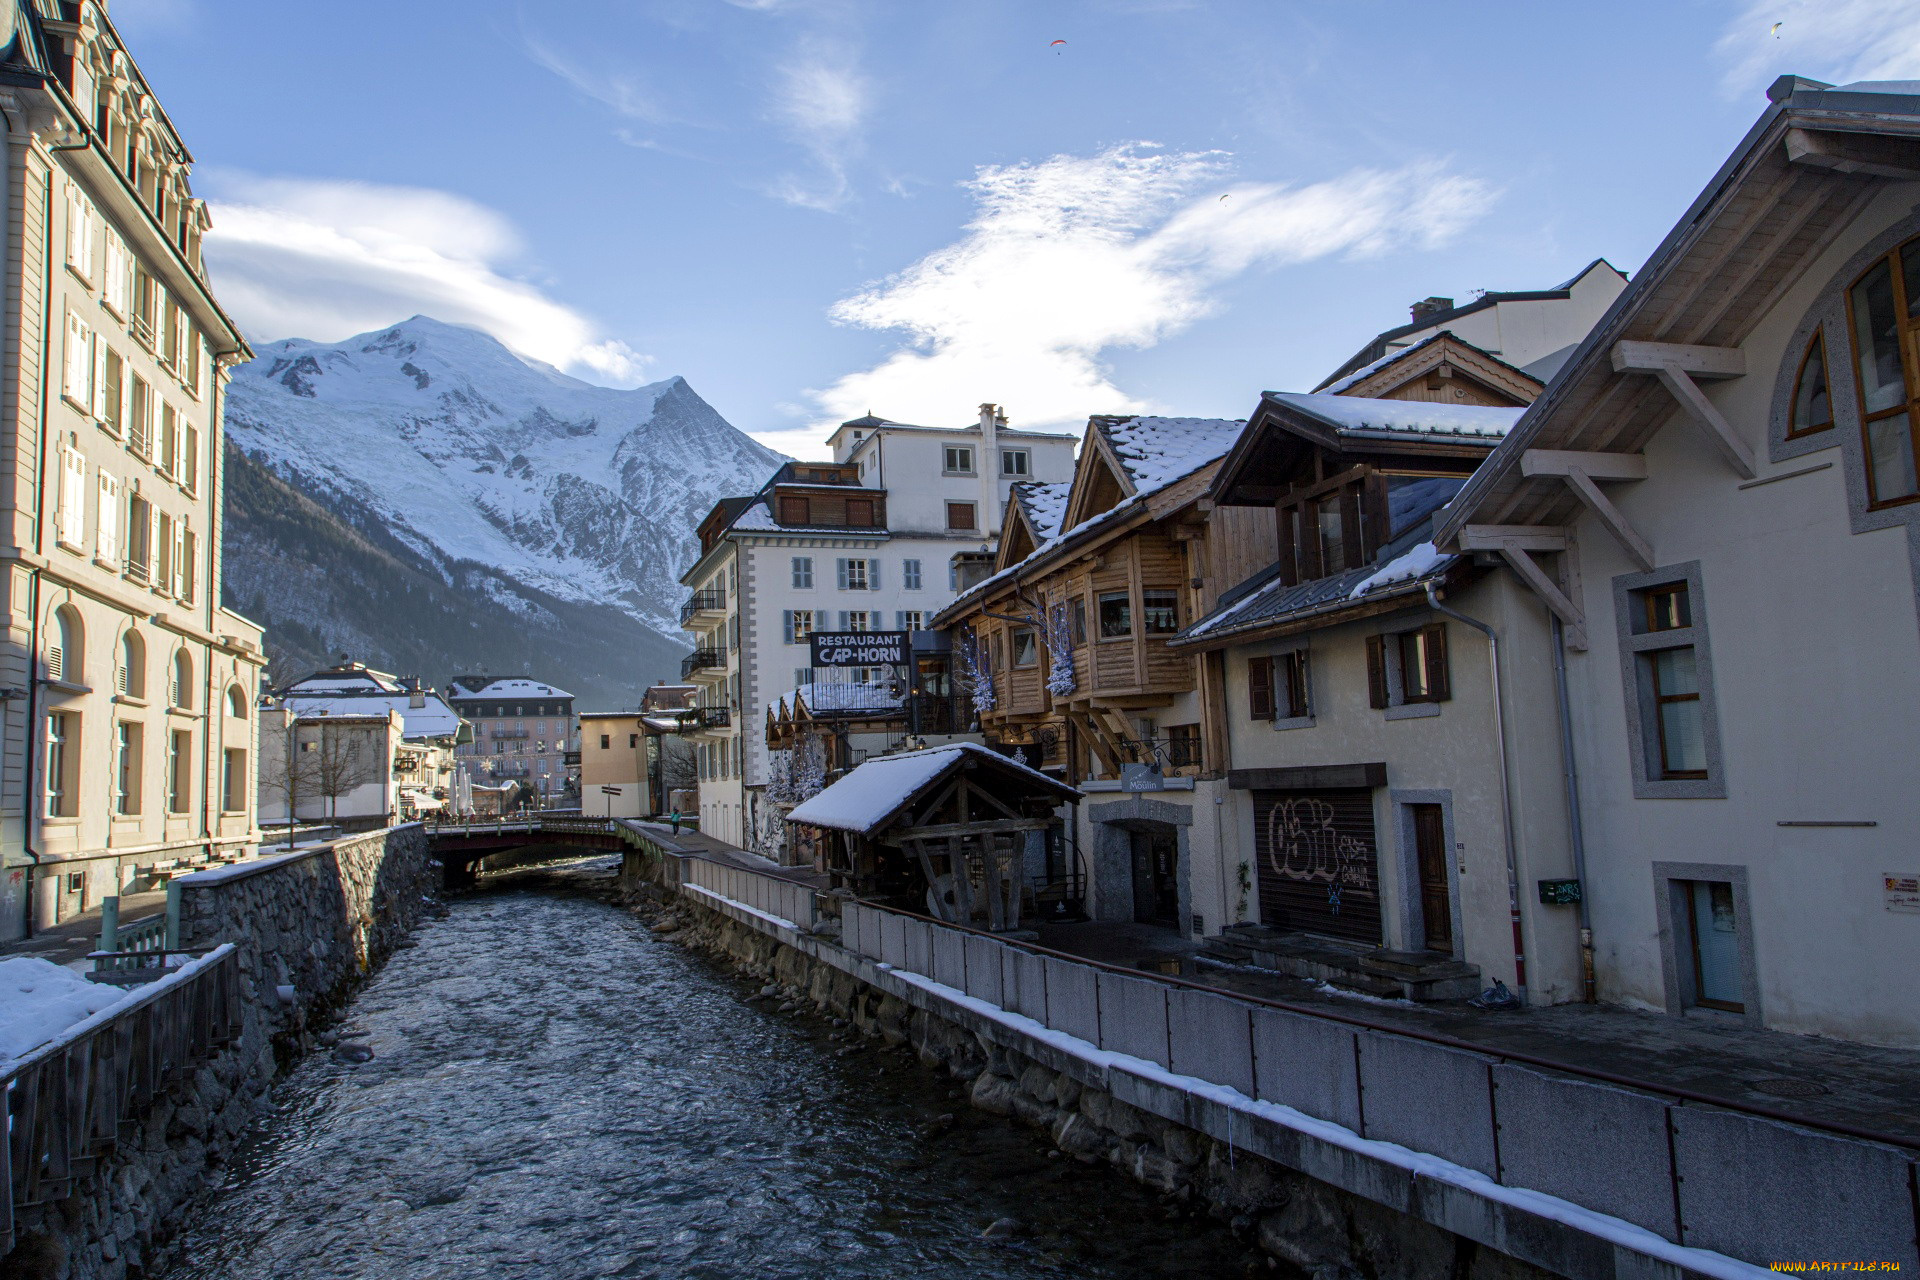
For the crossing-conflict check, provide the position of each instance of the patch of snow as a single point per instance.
(1158, 451)
(511, 688)
(41, 1001)
(1045, 506)
(848, 695)
(435, 720)
(1422, 560)
(1359, 414)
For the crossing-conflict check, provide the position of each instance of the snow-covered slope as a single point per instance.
(467, 453)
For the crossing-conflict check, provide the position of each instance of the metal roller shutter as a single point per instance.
(1319, 863)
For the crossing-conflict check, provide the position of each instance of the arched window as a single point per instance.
(131, 677)
(1812, 405)
(236, 702)
(66, 656)
(1883, 322)
(182, 690)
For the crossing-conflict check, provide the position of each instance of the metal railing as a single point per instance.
(701, 660)
(1519, 1118)
(703, 602)
(125, 946)
(769, 895)
(71, 1100)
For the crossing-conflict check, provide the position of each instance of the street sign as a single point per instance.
(859, 648)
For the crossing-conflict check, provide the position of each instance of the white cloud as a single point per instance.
(326, 260)
(1074, 255)
(620, 91)
(822, 99)
(1835, 40)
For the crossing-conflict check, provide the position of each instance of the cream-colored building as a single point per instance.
(129, 692)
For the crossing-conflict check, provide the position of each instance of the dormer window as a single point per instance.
(1885, 306)
(1812, 405)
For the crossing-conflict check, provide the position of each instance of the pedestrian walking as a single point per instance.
(674, 818)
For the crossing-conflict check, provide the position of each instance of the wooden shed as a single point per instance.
(945, 830)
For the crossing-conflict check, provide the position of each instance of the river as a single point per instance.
(555, 1093)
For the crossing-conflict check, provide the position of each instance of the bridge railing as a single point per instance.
(71, 1100)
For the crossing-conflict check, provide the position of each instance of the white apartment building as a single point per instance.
(127, 690)
(398, 772)
(879, 539)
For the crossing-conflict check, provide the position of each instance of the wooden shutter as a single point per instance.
(794, 511)
(1260, 688)
(840, 566)
(1438, 689)
(108, 547)
(1299, 703)
(1376, 671)
(873, 575)
(786, 623)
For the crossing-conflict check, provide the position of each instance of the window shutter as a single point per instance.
(899, 619)
(1438, 688)
(841, 565)
(109, 544)
(786, 622)
(79, 357)
(1376, 671)
(190, 551)
(873, 575)
(1260, 688)
(190, 459)
(843, 619)
(1301, 694)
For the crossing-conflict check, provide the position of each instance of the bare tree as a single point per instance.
(679, 767)
(286, 775)
(342, 760)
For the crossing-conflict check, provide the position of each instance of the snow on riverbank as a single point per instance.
(40, 999)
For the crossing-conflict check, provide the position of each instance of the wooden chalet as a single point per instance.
(947, 830)
(1066, 640)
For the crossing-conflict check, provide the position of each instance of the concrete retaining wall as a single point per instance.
(1565, 1173)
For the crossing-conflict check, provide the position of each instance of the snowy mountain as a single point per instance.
(497, 485)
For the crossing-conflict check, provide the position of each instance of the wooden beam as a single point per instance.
(1897, 158)
(1719, 432)
(1501, 537)
(1611, 516)
(980, 827)
(1574, 622)
(1599, 466)
(1700, 362)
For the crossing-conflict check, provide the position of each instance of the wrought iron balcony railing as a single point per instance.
(701, 660)
(703, 602)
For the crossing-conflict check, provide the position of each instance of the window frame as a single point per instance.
(1025, 468)
(1100, 601)
(910, 574)
(962, 451)
(1023, 644)
(1816, 349)
(1147, 611)
(972, 512)
(1907, 337)
(1639, 638)
(802, 573)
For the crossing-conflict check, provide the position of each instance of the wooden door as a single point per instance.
(1436, 897)
(1156, 890)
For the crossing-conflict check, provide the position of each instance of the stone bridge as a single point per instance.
(461, 847)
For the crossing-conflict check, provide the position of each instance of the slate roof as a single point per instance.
(1044, 506)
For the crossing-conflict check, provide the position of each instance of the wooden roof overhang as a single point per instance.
(1279, 437)
(1447, 349)
(917, 818)
(1803, 172)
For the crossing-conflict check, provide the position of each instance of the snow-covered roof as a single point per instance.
(875, 791)
(436, 719)
(826, 696)
(512, 688)
(1158, 451)
(1362, 416)
(346, 682)
(1044, 505)
(1366, 371)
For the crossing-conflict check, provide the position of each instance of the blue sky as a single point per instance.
(811, 208)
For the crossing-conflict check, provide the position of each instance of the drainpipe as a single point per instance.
(1576, 837)
(1506, 787)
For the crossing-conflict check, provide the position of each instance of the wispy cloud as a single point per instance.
(623, 92)
(326, 260)
(821, 98)
(1070, 257)
(1836, 40)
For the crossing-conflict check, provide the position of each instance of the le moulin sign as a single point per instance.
(859, 648)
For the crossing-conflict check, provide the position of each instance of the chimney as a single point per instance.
(1427, 308)
(992, 418)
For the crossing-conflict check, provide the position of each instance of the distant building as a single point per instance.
(621, 753)
(418, 761)
(523, 732)
(878, 539)
(129, 731)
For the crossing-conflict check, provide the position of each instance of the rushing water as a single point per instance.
(556, 1093)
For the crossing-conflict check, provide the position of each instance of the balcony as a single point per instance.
(509, 733)
(714, 717)
(702, 603)
(702, 660)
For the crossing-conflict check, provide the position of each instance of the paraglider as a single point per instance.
(1775, 32)
(1055, 46)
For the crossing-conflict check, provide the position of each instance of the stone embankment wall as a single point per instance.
(309, 925)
